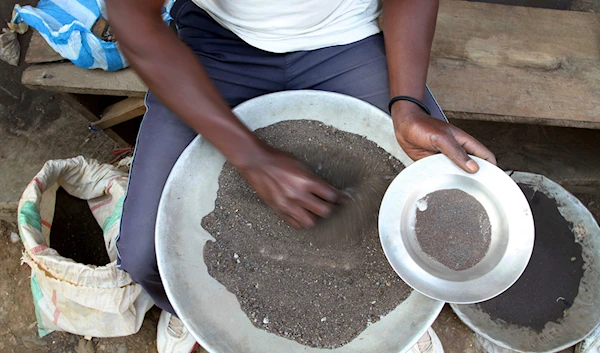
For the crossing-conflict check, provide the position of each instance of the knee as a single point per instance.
(140, 270)
(137, 256)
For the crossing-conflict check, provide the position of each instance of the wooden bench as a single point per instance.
(489, 62)
(517, 64)
(84, 89)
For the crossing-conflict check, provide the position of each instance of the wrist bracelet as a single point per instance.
(410, 99)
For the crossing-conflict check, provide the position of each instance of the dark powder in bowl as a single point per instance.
(551, 279)
(453, 228)
(285, 283)
(75, 233)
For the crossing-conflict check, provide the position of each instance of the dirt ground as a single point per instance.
(36, 126)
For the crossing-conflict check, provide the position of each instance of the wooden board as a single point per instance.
(39, 51)
(500, 63)
(66, 77)
(517, 64)
(119, 112)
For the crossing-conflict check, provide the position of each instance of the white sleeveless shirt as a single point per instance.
(282, 26)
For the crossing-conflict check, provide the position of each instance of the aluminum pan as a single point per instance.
(583, 316)
(510, 218)
(209, 311)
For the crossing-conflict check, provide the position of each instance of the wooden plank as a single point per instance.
(455, 115)
(39, 51)
(531, 65)
(99, 27)
(122, 111)
(72, 100)
(501, 63)
(68, 78)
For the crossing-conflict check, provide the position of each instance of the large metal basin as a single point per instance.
(209, 311)
(583, 316)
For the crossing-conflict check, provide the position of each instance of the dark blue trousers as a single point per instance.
(240, 72)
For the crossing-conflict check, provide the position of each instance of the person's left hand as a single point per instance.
(421, 135)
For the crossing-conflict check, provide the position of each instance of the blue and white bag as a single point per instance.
(66, 26)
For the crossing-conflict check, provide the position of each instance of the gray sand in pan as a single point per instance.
(454, 229)
(318, 296)
(552, 277)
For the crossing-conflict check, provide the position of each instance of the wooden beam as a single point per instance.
(532, 65)
(91, 117)
(99, 27)
(39, 51)
(500, 63)
(122, 111)
(68, 78)
(456, 115)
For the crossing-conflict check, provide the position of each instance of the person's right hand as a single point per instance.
(290, 189)
(421, 135)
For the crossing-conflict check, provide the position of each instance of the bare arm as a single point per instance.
(409, 26)
(176, 77)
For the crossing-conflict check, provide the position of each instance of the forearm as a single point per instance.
(176, 77)
(409, 26)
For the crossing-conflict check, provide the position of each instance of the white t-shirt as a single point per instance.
(282, 26)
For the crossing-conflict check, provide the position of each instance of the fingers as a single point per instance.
(316, 199)
(474, 147)
(296, 195)
(305, 208)
(316, 205)
(299, 217)
(448, 145)
(290, 220)
(325, 191)
(458, 144)
(426, 136)
(418, 153)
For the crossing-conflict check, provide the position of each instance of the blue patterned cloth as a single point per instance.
(66, 26)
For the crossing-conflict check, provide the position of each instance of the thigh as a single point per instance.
(357, 69)
(161, 139)
(239, 70)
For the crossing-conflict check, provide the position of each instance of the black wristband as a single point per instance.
(410, 99)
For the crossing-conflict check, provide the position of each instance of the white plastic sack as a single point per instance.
(98, 301)
(10, 50)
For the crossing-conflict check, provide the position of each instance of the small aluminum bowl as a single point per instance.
(510, 218)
